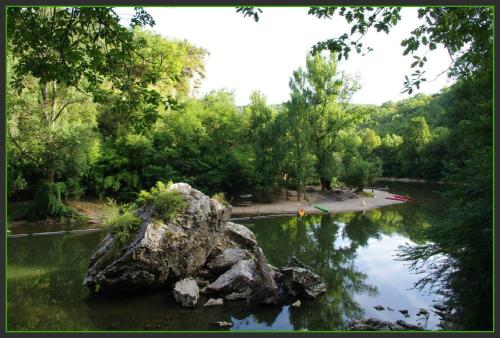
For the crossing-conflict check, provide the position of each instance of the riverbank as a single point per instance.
(325, 200)
(405, 180)
(95, 210)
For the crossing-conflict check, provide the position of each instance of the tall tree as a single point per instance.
(263, 136)
(296, 121)
(325, 90)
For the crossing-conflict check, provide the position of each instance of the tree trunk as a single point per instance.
(50, 175)
(325, 184)
(54, 105)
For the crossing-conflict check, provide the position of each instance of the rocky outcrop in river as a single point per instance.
(198, 251)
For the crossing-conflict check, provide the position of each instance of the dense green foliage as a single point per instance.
(106, 140)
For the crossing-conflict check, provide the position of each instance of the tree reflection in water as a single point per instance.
(45, 274)
(317, 241)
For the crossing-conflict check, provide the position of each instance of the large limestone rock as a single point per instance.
(201, 243)
(162, 253)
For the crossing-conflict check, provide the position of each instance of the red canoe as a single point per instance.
(396, 199)
(399, 198)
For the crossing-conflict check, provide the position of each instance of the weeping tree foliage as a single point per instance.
(57, 144)
(47, 202)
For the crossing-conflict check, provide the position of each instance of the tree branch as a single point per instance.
(62, 108)
(23, 152)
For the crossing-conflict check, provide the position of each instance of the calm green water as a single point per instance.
(353, 252)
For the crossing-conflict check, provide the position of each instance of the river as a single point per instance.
(353, 252)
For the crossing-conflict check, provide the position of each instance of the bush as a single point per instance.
(359, 172)
(167, 203)
(367, 194)
(122, 226)
(73, 189)
(47, 202)
(221, 198)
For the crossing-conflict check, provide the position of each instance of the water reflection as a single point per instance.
(353, 252)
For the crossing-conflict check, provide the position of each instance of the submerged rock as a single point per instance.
(379, 308)
(186, 292)
(409, 326)
(440, 307)
(372, 324)
(223, 324)
(197, 248)
(214, 302)
(299, 280)
(422, 311)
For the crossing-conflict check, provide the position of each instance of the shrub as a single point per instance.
(73, 189)
(122, 226)
(359, 172)
(221, 198)
(47, 202)
(167, 203)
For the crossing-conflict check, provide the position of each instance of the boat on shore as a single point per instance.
(402, 198)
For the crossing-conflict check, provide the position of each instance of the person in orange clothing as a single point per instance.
(301, 212)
